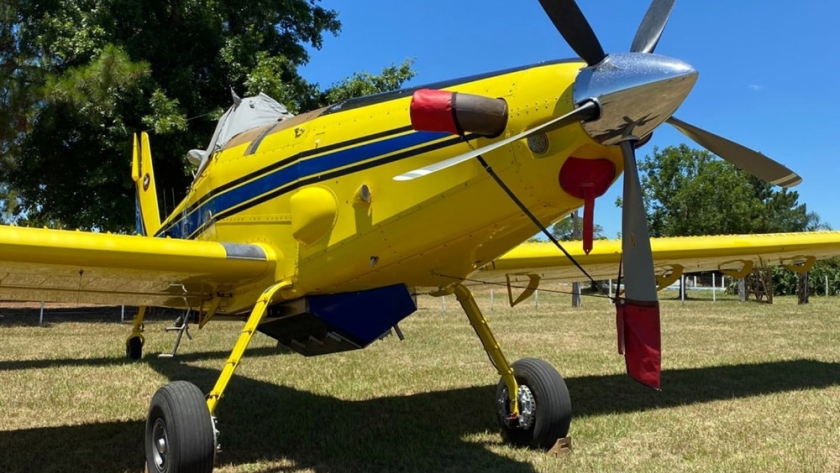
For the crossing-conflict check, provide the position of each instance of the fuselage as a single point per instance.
(319, 188)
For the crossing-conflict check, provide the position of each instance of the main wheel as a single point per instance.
(545, 408)
(134, 348)
(179, 431)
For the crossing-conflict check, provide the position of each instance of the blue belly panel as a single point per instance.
(363, 316)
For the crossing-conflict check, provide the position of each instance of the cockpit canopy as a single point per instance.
(245, 114)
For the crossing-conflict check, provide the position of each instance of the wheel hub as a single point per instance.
(527, 407)
(160, 442)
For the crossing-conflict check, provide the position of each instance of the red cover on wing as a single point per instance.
(431, 110)
(639, 340)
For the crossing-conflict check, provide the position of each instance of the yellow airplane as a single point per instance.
(317, 229)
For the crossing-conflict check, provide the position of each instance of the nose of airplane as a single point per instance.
(636, 92)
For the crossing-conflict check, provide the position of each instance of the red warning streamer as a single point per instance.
(639, 340)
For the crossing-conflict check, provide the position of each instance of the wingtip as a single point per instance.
(791, 180)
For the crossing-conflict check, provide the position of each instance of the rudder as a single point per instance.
(147, 216)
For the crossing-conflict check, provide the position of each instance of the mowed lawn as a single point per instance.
(746, 387)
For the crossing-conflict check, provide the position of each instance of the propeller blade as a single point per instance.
(570, 22)
(649, 32)
(637, 313)
(742, 157)
(640, 278)
(586, 111)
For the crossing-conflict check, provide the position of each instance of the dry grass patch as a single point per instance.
(746, 387)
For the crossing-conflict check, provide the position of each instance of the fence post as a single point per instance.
(536, 298)
(491, 299)
(714, 288)
(41, 318)
(443, 303)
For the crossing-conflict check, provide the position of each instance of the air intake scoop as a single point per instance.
(457, 113)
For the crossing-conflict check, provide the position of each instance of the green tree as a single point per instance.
(18, 97)
(785, 282)
(690, 192)
(564, 230)
(79, 77)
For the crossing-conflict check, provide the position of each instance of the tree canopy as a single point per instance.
(77, 78)
(689, 191)
(564, 230)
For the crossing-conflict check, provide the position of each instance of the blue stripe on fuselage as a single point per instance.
(183, 227)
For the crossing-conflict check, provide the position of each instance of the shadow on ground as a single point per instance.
(420, 432)
(10, 365)
(29, 316)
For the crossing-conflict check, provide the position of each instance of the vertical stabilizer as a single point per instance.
(148, 213)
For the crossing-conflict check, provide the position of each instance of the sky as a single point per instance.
(769, 70)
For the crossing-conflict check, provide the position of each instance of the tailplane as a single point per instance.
(147, 215)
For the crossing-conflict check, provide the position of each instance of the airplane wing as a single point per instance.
(102, 268)
(735, 255)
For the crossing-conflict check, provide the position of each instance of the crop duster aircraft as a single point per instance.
(316, 229)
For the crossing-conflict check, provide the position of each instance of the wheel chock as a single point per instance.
(563, 445)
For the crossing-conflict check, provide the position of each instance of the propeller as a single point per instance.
(742, 157)
(653, 24)
(572, 25)
(621, 98)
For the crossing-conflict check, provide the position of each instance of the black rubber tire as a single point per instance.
(134, 348)
(191, 448)
(553, 405)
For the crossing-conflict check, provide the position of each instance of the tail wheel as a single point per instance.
(544, 404)
(134, 348)
(179, 431)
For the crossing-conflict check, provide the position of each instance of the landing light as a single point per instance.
(363, 194)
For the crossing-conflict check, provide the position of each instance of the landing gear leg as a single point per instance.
(181, 433)
(257, 314)
(533, 404)
(134, 342)
(182, 326)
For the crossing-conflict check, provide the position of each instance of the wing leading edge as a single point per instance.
(75, 266)
(703, 253)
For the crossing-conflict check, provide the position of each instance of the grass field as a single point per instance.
(746, 387)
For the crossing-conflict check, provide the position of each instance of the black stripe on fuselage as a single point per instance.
(330, 175)
(277, 165)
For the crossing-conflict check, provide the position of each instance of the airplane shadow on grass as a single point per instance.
(29, 317)
(152, 358)
(420, 432)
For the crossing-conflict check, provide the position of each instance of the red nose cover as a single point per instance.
(431, 110)
(587, 179)
(639, 340)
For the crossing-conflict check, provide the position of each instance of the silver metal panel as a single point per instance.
(637, 92)
(239, 251)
